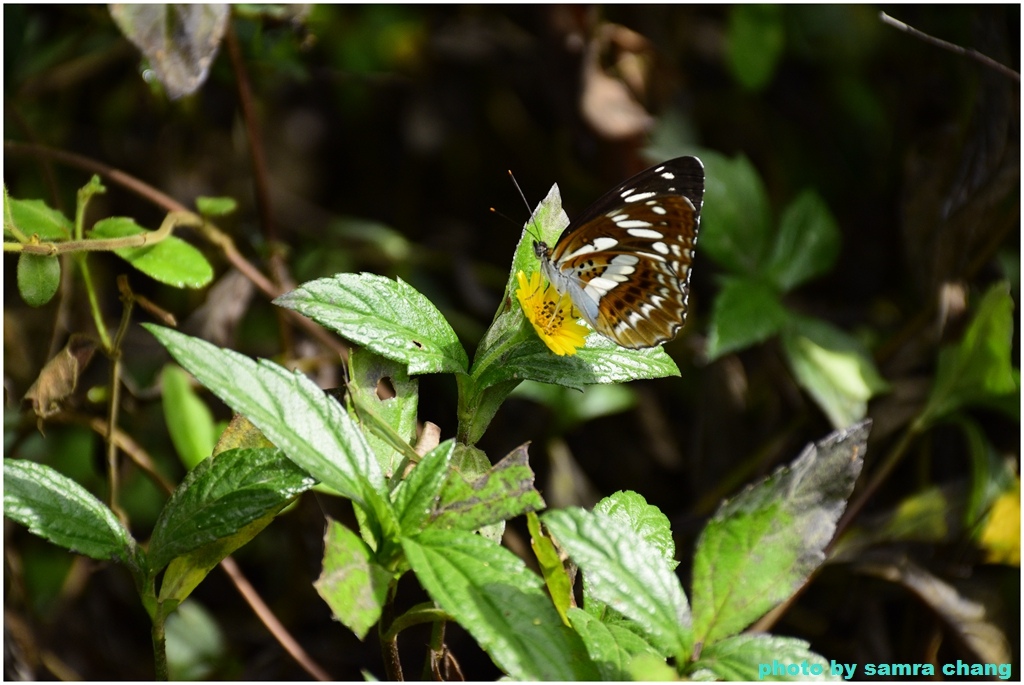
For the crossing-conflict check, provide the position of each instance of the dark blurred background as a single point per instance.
(388, 132)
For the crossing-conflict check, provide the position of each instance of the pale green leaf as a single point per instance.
(351, 582)
(764, 657)
(189, 420)
(35, 217)
(294, 414)
(833, 368)
(386, 316)
(38, 278)
(626, 572)
(171, 261)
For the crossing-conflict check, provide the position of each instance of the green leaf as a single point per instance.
(646, 520)
(763, 657)
(979, 369)
(600, 361)
(195, 644)
(351, 582)
(556, 579)
(35, 217)
(991, 474)
(611, 647)
(38, 278)
(807, 243)
(626, 572)
(754, 43)
(416, 496)
(385, 400)
(293, 413)
(736, 226)
(171, 261)
(492, 594)
(220, 496)
(188, 419)
(502, 493)
(180, 41)
(746, 311)
(185, 572)
(57, 508)
(216, 206)
(650, 668)
(833, 368)
(759, 547)
(388, 317)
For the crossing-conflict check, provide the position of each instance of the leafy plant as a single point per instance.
(762, 264)
(605, 600)
(418, 513)
(222, 504)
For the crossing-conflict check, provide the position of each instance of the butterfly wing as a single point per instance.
(626, 260)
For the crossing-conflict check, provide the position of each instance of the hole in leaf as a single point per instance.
(385, 390)
(418, 344)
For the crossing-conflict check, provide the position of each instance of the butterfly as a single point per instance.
(625, 261)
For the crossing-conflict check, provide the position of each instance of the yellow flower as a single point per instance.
(552, 315)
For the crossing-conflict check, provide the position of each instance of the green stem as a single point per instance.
(389, 640)
(115, 395)
(172, 221)
(421, 613)
(160, 645)
(94, 304)
(9, 224)
(472, 408)
(432, 667)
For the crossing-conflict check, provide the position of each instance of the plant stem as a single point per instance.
(389, 641)
(115, 395)
(432, 668)
(172, 221)
(159, 645)
(94, 304)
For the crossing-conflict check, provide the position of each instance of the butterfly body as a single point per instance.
(625, 261)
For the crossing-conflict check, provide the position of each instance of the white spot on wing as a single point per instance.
(660, 247)
(639, 196)
(641, 232)
(599, 287)
(625, 259)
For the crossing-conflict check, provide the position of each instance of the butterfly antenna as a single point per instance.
(504, 216)
(525, 202)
